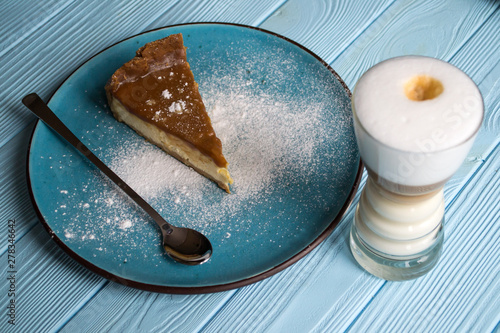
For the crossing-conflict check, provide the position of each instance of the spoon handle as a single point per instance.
(40, 109)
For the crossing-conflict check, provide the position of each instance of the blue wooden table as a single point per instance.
(44, 41)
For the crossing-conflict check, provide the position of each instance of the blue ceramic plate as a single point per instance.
(284, 120)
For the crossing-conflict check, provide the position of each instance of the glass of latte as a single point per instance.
(415, 120)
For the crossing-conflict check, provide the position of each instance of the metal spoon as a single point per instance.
(184, 245)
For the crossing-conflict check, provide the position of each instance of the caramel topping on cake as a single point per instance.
(159, 87)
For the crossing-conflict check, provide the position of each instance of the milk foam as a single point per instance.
(409, 142)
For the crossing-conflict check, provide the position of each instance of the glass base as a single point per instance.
(392, 268)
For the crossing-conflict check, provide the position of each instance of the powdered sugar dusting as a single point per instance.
(150, 171)
(125, 224)
(166, 94)
(267, 140)
(274, 139)
(177, 107)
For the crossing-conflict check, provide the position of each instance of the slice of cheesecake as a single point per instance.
(155, 94)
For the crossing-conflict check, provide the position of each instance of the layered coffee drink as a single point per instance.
(415, 121)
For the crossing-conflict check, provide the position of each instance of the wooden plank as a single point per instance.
(392, 25)
(237, 11)
(325, 27)
(20, 20)
(479, 59)
(49, 284)
(462, 293)
(441, 29)
(14, 199)
(122, 309)
(76, 33)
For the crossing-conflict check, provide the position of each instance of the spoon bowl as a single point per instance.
(184, 245)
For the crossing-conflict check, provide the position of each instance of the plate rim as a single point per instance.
(209, 288)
